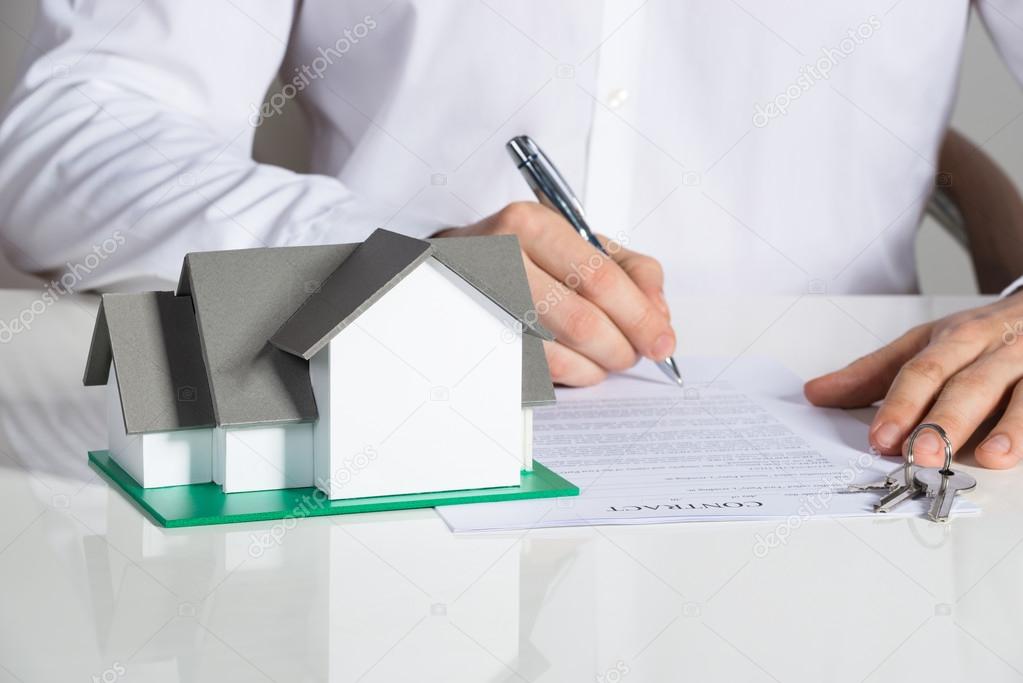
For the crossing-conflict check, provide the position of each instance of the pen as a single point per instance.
(552, 191)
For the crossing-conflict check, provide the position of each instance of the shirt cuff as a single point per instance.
(353, 221)
(1013, 288)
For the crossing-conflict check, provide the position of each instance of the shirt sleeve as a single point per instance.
(1003, 20)
(127, 143)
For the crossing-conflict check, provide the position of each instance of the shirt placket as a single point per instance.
(610, 159)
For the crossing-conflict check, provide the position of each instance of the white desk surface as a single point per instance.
(91, 590)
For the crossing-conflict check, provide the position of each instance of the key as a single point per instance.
(886, 484)
(943, 485)
(890, 482)
(900, 494)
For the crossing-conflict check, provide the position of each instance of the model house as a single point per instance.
(392, 366)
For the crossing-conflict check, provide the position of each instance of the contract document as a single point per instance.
(739, 442)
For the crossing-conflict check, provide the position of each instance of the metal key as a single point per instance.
(943, 485)
(900, 494)
(909, 488)
(886, 484)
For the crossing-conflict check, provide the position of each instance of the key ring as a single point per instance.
(944, 437)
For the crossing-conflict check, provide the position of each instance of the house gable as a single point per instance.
(493, 265)
(435, 319)
(421, 393)
(377, 265)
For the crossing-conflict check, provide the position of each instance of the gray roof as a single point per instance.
(241, 298)
(152, 340)
(493, 265)
(300, 297)
(537, 388)
(369, 272)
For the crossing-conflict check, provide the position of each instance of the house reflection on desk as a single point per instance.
(348, 597)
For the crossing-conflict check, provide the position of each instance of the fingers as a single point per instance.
(956, 372)
(577, 323)
(1003, 447)
(557, 250)
(645, 271)
(967, 400)
(922, 381)
(571, 368)
(866, 380)
(606, 309)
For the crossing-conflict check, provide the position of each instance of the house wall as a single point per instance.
(320, 377)
(261, 458)
(125, 450)
(527, 439)
(421, 393)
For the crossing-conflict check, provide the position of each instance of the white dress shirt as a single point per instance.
(772, 147)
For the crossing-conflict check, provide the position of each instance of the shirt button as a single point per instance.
(617, 97)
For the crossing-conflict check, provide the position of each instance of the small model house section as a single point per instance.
(392, 366)
(416, 374)
(145, 348)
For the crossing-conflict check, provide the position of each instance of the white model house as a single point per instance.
(392, 366)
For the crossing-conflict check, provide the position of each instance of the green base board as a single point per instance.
(201, 504)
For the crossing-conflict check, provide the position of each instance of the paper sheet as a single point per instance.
(738, 443)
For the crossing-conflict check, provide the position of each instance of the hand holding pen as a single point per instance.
(553, 191)
(605, 317)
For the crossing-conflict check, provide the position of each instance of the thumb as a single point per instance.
(866, 380)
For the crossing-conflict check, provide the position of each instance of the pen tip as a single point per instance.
(670, 370)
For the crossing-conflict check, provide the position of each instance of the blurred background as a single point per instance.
(989, 111)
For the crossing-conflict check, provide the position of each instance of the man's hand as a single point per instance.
(957, 372)
(604, 312)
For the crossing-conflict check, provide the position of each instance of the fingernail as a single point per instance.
(663, 347)
(928, 443)
(887, 435)
(662, 304)
(999, 443)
